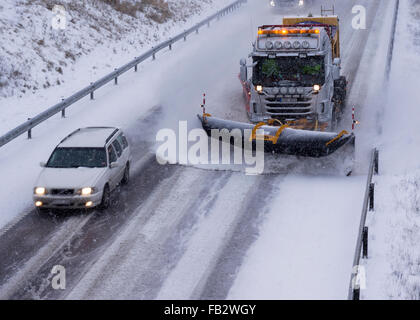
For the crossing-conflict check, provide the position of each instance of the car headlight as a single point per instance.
(272, 3)
(301, 3)
(40, 191)
(86, 191)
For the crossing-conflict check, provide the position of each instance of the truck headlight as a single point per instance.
(301, 3)
(259, 88)
(272, 3)
(86, 191)
(40, 191)
(317, 87)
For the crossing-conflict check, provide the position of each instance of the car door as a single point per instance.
(120, 159)
(124, 144)
(114, 172)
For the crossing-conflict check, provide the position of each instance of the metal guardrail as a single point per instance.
(392, 41)
(362, 238)
(65, 103)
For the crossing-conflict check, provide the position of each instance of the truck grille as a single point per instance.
(62, 192)
(288, 107)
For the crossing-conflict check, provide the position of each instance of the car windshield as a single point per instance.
(271, 72)
(77, 157)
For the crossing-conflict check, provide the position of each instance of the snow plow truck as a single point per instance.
(296, 92)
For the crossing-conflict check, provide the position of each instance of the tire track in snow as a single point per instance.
(189, 277)
(138, 261)
(244, 232)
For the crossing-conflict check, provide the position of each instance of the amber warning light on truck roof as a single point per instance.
(287, 31)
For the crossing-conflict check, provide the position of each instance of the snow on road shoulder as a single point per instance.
(392, 270)
(317, 265)
(393, 267)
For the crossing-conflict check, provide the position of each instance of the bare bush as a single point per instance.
(157, 10)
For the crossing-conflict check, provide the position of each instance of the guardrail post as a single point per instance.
(371, 196)
(376, 165)
(116, 78)
(91, 93)
(170, 45)
(29, 131)
(365, 242)
(208, 24)
(63, 112)
(185, 36)
(356, 294)
(196, 31)
(153, 55)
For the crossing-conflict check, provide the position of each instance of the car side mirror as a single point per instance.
(113, 165)
(42, 164)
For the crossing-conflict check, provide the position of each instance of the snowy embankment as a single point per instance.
(41, 63)
(393, 268)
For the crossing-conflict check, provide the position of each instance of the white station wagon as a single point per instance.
(83, 169)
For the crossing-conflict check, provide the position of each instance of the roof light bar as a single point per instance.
(287, 31)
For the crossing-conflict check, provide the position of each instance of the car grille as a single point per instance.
(62, 192)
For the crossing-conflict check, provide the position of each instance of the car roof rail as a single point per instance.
(111, 135)
(68, 136)
(101, 127)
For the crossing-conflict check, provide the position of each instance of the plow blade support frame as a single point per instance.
(291, 141)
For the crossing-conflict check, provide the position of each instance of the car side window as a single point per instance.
(117, 148)
(122, 140)
(111, 154)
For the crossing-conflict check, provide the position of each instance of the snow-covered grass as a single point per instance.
(393, 268)
(40, 64)
(34, 55)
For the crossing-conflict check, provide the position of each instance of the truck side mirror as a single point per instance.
(337, 62)
(243, 70)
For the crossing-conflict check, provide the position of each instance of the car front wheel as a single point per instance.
(126, 176)
(106, 198)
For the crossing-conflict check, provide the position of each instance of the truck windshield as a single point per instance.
(271, 72)
(77, 157)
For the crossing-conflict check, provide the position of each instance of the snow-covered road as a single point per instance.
(182, 232)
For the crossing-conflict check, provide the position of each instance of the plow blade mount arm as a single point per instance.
(291, 141)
